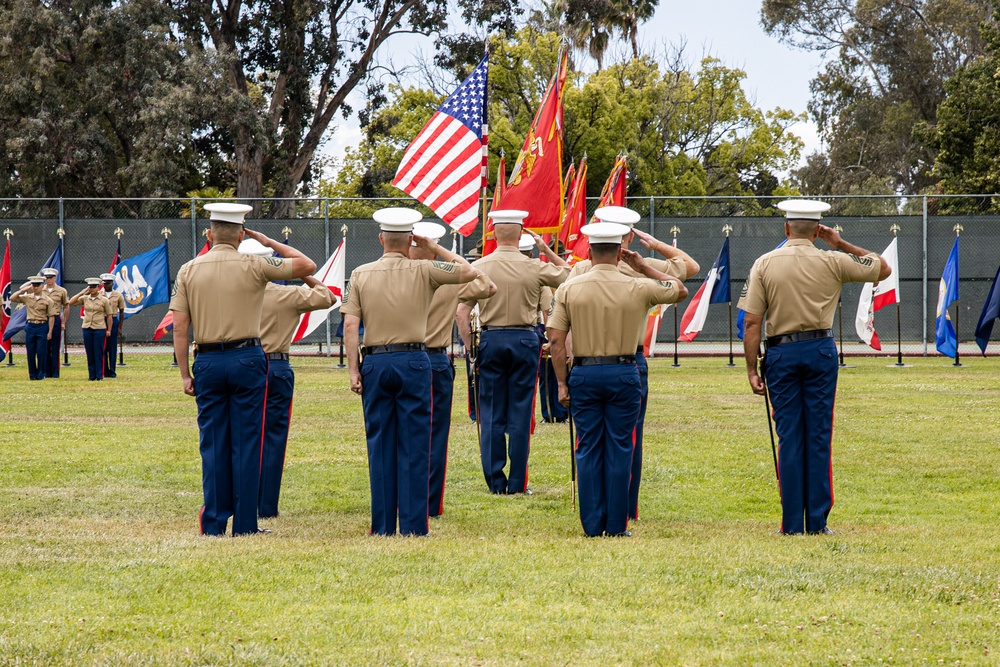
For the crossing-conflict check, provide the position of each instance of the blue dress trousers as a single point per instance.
(38, 348)
(442, 388)
(802, 381)
(633, 487)
(52, 353)
(93, 343)
(277, 415)
(605, 402)
(395, 387)
(508, 373)
(111, 350)
(230, 388)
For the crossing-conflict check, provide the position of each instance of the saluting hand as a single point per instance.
(648, 242)
(830, 237)
(425, 243)
(633, 259)
(263, 239)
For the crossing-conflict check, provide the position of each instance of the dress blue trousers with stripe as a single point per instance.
(395, 390)
(230, 388)
(277, 416)
(802, 381)
(38, 348)
(508, 374)
(605, 404)
(111, 350)
(633, 487)
(548, 387)
(93, 343)
(442, 388)
(52, 353)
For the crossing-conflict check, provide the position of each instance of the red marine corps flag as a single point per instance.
(535, 183)
(612, 194)
(444, 167)
(576, 209)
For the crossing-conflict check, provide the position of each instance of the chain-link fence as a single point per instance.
(926, 231)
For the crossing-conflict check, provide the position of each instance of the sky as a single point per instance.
(777, 75)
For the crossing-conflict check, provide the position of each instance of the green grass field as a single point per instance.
(101, 564)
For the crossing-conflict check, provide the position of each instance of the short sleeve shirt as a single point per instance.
(40, 307)
(441, 318)
(223, 292)
(283, 306)
(117, 302)
(604, 308)
(519, 281)
(393, 296)
(96, 310)
(58, 295)
(797, 285)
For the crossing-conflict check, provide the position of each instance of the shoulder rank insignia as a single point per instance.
(447, 267)
(274, 261)
(347, 293)
(863, 261)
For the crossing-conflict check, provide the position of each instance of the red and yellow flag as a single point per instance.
(576, 208)
(489, 241)
(612, 194)
(536, 184)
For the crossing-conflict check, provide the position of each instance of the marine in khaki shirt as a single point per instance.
(117, 301)
(57, 294)
(41, 308)
(97, 309)
(283, 305)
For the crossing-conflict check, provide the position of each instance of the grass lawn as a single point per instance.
(101, 564)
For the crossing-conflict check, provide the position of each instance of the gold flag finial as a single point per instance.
(287, 231)
(958, 230)
(119, 233)
(727, 229)
(60, 232)
(343, 231)
(8, 233)
(895, 228)
(166, 232)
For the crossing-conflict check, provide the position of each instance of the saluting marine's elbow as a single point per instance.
(682, 292)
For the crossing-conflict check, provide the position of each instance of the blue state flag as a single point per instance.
(991, 311)
(19, 317)
(945, 337)
(144, 280)
(741, 314)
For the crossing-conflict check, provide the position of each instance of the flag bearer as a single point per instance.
(40, 323)
(282, 308)
(118, 306)
(393, 296)
(60, 297)
(676, 263)
(796, 287)
(220, 295)
(97, 317)
(509, 350)
(603, 309)
(440, 324)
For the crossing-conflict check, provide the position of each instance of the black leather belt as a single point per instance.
(277, 356)
(437, 350)
(800, 336)
(228, 345)
(520, 327)
(604, 361)
(395, 347)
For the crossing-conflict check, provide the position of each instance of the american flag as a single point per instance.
(445, 165)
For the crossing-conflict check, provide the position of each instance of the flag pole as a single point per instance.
(119, 233)
(121, 326)
(62, 264)
(675, 230)
(8, 232)
(840, 320)
(958, 363)
(899, 327)
(728, 229)
(340, 364)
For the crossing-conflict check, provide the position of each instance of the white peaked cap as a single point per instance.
(396, 219)
(254, 247)
(606, 232)
(107, 276)
(525, 243)
(803, 209)
(50, 272)
(508, 217)
(617, 214)
(226, 212)
(431, 230)
(93, 282)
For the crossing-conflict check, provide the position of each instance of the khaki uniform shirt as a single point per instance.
(59, 296)
(223, 292)
(519, 281)
(393, 296)
(604, 308)
(441, 318)
(40, 307)
(544, 304)
(283, 304)
(117, 302)
(798, 285)
(672, 267)
(95, 311)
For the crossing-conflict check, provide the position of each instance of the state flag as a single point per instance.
(715, 289)
(333, 275)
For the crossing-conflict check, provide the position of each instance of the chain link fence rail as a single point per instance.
(926, 232)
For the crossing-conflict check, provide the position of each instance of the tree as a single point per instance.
(686, 132)
(291, 65)
(874, 101)
(101, 99)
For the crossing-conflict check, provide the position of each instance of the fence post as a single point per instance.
(925, 271)
(652, 221)
(194, 227)
(326, 241)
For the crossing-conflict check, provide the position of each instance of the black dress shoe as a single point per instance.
(261, 531)
(824, 531)
(627, 533)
